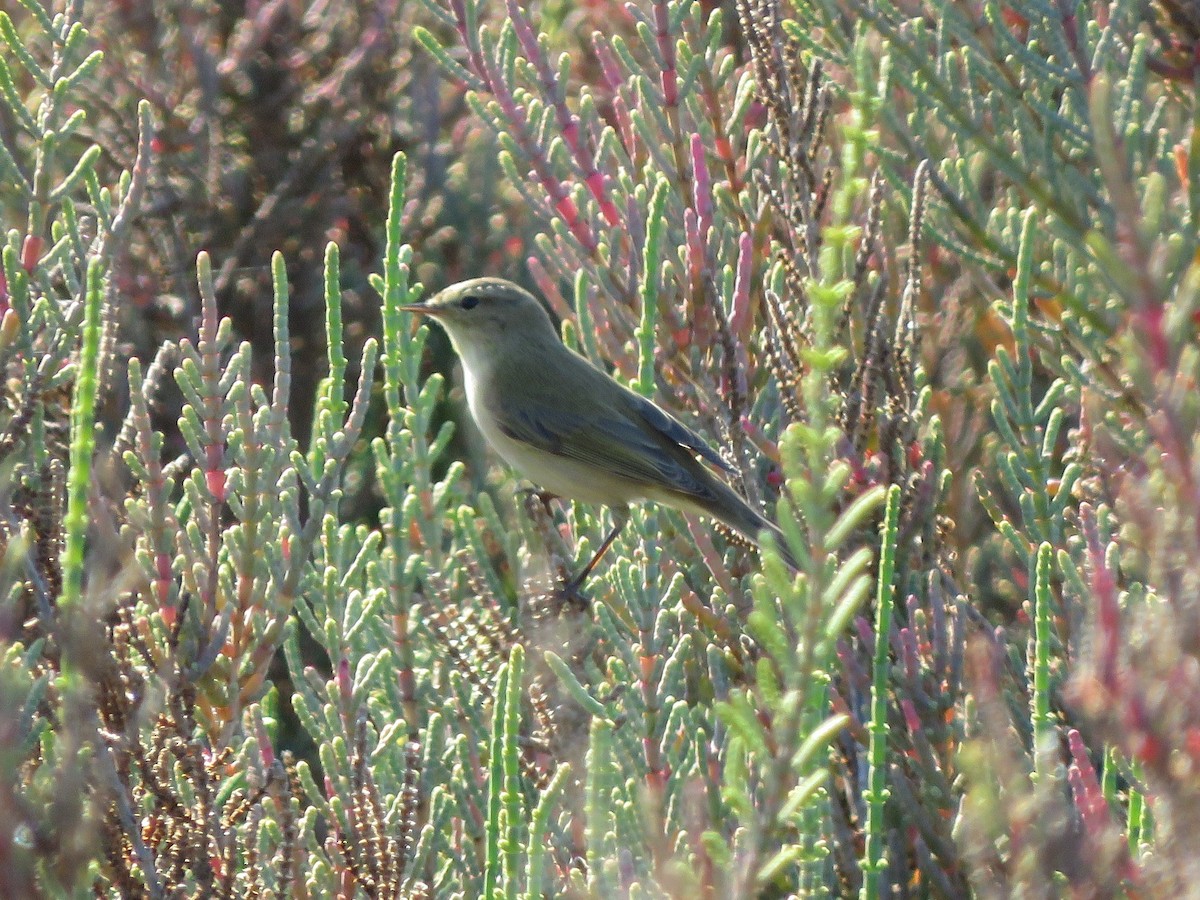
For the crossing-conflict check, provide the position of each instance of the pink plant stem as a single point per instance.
(549, 288)
(766, 446)
(666, 46)
(721, 143)
(568, 123)
(1092, 806)
(517, 123)
(741, 318)
(615, 83)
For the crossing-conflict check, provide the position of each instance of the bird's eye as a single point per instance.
(469, 302)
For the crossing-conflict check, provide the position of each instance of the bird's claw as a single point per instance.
(571, 592)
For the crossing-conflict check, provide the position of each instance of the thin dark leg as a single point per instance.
(620, 520)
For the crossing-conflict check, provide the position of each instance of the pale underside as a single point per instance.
(616, 451)
(560, 475)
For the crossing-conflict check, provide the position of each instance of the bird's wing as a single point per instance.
(613, 441)
(671, 428)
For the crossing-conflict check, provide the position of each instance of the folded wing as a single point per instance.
(617, 441)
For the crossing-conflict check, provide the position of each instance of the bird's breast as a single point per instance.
(560, 475)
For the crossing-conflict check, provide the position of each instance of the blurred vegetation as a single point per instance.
(272, 622)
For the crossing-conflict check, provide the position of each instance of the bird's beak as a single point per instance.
(422, 309)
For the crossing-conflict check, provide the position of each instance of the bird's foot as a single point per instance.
(571, 594)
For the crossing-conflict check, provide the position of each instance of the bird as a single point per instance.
(569, 427)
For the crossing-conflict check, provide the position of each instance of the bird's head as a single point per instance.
(486, 313)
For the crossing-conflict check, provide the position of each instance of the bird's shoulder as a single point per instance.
(557, 379)
(545, 399)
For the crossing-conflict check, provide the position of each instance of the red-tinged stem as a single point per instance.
(669, 81)
(474, 55)
(709, 619)
(265, 750)
(31, 252)
(656, 774)
(568, 123)
(741, 316)
(700, 320)
(721, 144)
(766, 446)
(549, 288)
(406, 679)
(662, 33)
(1172, 71)
(1089, 798)
(519, 127)
(612, 77)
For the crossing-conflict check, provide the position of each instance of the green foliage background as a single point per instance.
(272, 622)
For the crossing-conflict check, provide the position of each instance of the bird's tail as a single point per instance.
(729, 508)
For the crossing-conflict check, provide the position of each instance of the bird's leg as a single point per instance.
(620, 520)
(537, 507)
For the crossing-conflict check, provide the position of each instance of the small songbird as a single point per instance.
(570, 428)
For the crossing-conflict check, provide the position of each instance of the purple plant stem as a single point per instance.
(1093, 807)
(568, 123)
(620, 102)
(741, 317)
(517, 126)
